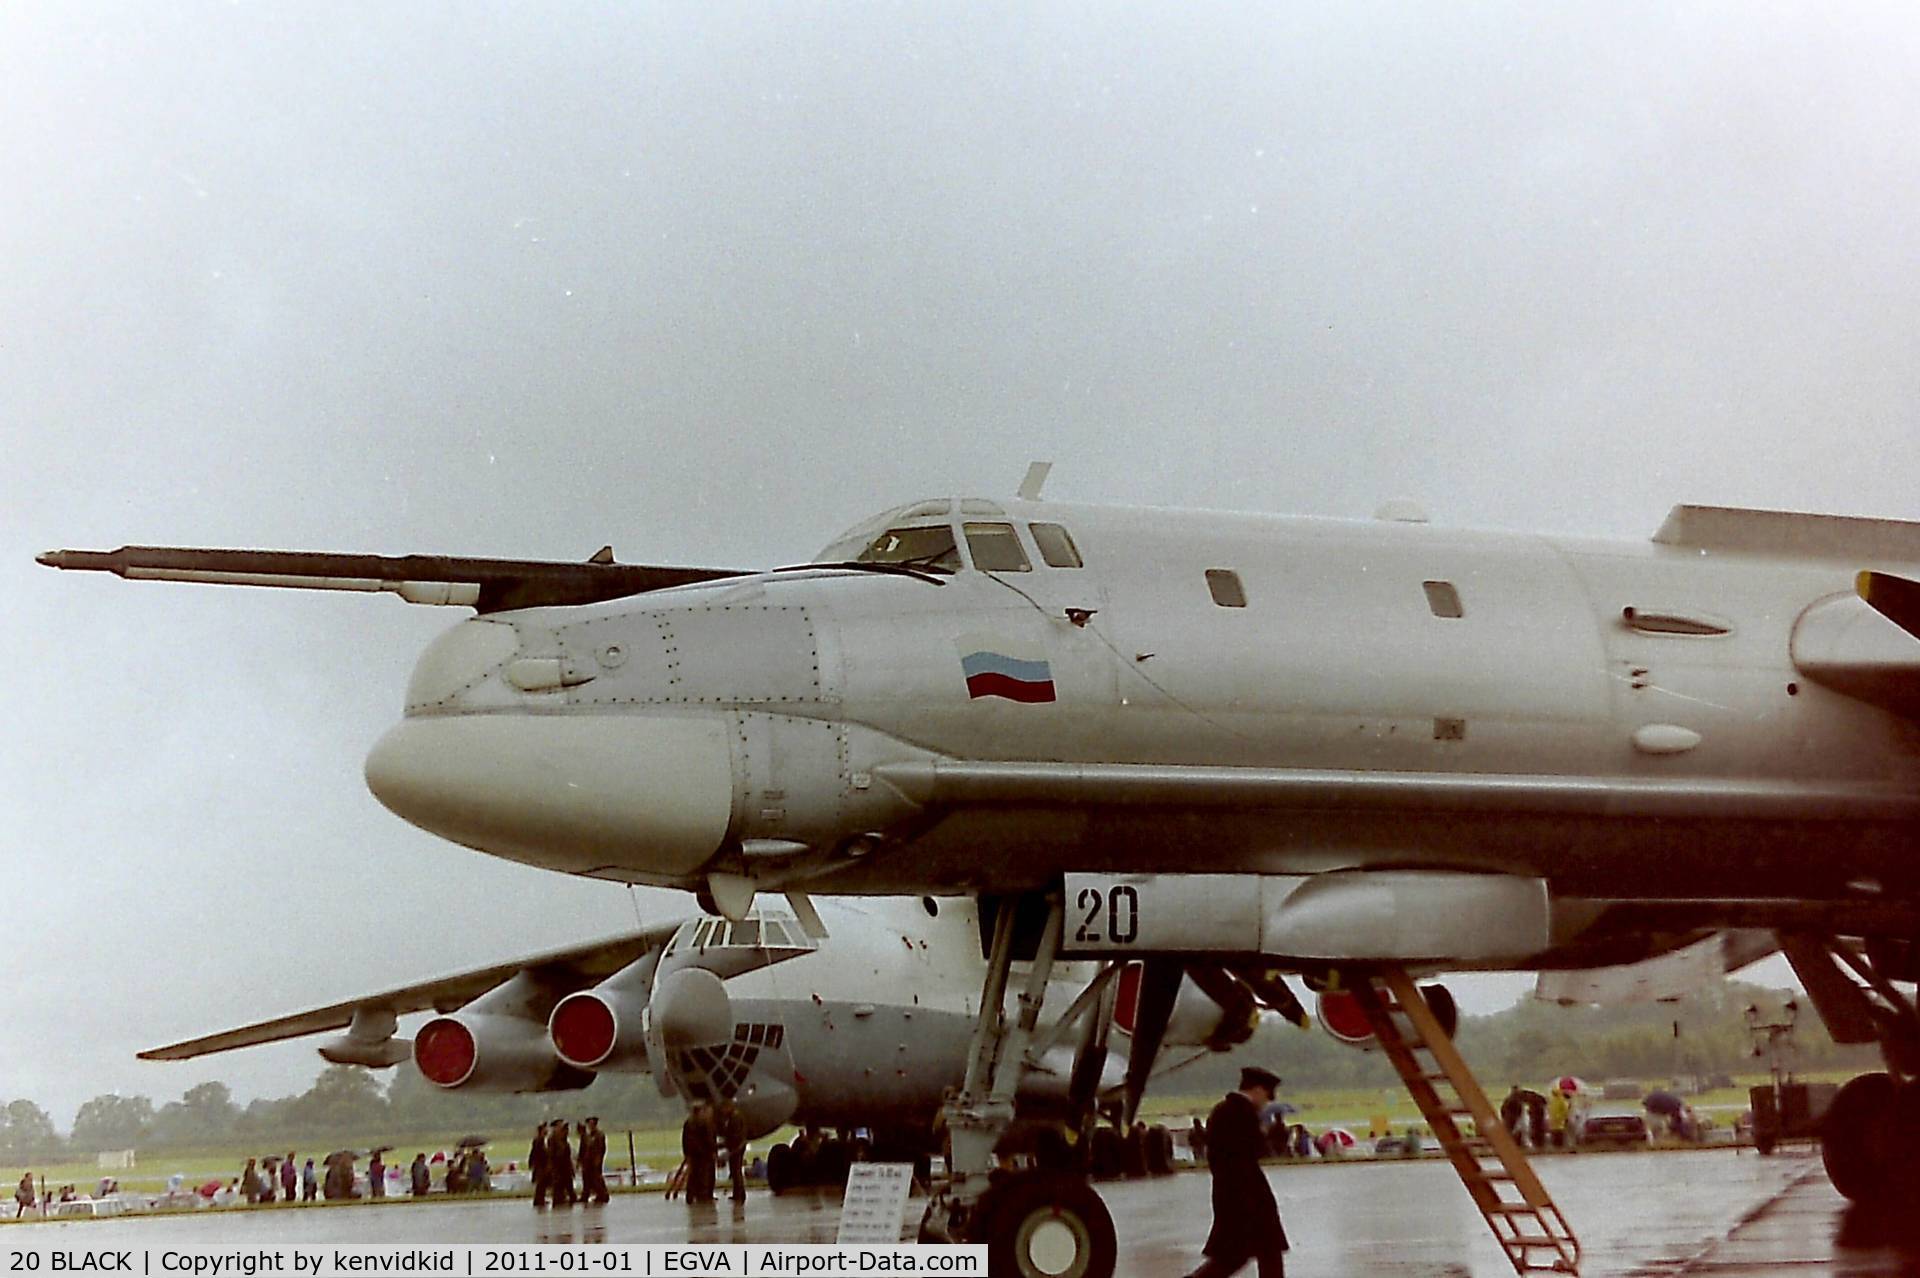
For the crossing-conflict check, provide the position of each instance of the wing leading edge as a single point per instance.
(487, 585)
(593, 961)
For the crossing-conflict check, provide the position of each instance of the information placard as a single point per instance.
(875, 1207)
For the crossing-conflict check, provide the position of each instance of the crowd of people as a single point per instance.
(551, 1162)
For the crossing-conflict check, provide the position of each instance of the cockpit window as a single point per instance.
(1056, 547)
(927, 547)
(996, 548)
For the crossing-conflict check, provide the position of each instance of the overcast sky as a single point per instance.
(711, 282)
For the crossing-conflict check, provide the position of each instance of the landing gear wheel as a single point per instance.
(1904, 1134)
(1858, 1142)
(1106, 1154)
(780, 1168)
(1046, 1225)
(1159, 1151)
(830, 1168)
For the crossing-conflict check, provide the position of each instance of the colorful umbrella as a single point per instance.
(1334, 1136)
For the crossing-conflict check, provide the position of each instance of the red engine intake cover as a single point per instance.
(1340, 1014)
(445, 1052)
(583, 1030)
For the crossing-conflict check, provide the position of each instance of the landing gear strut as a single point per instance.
(1873, 1124)
(1036, 1222)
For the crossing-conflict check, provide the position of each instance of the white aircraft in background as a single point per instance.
(1253, 742)
(857, 1018)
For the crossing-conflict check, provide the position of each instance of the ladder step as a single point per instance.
(1536, 1240)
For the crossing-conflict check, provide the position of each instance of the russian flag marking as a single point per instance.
(995, 674)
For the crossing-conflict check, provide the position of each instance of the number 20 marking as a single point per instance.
(1121, 905)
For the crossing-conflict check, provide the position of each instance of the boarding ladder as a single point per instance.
(1491, 1164)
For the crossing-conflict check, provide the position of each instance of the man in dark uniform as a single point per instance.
(593, 1158)
(730, 1134)
(537, 1165)
(560, 1163)
(697, 1147)
(1246, 1223)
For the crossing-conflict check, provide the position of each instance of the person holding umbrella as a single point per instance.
(1246, 1221)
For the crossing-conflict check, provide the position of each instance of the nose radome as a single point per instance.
(650, 796)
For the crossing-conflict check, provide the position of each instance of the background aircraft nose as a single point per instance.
(691, 1009)
(650, 796)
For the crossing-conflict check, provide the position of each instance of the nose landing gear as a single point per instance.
(1040, 1221)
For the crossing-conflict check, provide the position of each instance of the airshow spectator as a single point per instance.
(560, 1163)
(537, 1165)
(289, 1177)
(593, 1158)
(418, 1176)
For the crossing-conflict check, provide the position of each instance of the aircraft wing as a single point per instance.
(486, 585)
(593, 961)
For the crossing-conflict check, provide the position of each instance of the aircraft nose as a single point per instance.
(649, 799)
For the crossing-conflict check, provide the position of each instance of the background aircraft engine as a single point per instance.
(1340, 1015)
(601, 1029)
(479, 1052)
(1212, 1009)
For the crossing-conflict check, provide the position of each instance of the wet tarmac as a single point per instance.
(1718, 1212)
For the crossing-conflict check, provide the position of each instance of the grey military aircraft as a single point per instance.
(855, 1018)
(1263, 743)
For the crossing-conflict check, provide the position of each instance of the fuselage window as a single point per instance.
(1443, 599)
(1226, 588)
(1056, 547)
(996, 548)
(930, 547)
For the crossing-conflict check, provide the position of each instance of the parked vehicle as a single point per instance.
(1615, 1129)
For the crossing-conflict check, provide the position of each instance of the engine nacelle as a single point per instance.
(498, 1042)
(1210, 1010)
(1340, 1015)
(480, 1052)
(604, 1027)
(601, 1029)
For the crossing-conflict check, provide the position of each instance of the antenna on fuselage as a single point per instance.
(1036, 480)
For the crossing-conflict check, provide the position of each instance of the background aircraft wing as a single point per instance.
(487, 585)
(593, 961)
